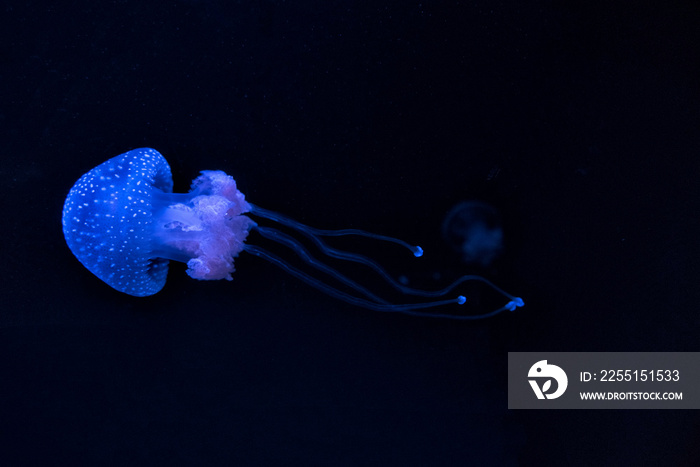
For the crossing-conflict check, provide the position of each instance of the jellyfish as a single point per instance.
(474, 231)
(124, 224)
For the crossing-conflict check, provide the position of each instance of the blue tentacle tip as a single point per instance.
(515, 303)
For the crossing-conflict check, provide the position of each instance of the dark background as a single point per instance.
(578, 120)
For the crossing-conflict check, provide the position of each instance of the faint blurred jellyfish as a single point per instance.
(473, 230)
